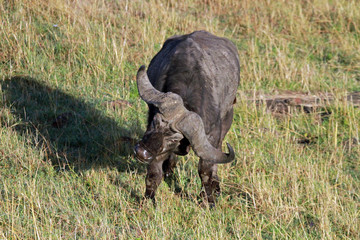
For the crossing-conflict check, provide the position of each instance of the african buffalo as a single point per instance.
(190, 89)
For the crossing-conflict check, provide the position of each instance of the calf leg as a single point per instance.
(209, 180)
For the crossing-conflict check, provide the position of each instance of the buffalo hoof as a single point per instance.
(205, 202)
(146, 199)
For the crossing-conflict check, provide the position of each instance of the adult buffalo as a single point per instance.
(190, 89)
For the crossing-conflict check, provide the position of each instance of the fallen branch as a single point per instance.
(283, 103)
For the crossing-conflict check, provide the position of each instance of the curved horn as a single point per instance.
(169, 104)
(187, 122)
(147, 92)
(193, 129)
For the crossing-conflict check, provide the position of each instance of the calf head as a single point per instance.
(173, 128)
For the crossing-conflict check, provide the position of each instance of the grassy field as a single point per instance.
(70, 114)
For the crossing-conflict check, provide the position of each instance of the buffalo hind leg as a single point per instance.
(169, 165)
(169, 177)
(209, 180)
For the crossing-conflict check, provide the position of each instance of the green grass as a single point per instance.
(78, 179)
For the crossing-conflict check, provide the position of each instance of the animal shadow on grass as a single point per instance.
(73, 133)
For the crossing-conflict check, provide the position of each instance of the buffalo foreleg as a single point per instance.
(153, 178)
(209, 180)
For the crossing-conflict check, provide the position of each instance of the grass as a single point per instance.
(66, 169)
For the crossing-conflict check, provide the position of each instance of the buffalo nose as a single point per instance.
(142, 154)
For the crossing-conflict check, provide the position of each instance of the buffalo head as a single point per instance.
(159, 140)
(173, 128)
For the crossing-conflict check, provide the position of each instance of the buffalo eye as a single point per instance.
(154, 142)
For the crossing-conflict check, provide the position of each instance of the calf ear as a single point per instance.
(191, 125)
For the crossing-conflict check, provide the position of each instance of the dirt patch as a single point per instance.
(117, 104)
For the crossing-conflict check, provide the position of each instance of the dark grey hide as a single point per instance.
(190, 88)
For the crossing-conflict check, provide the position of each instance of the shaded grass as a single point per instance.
(70, 130)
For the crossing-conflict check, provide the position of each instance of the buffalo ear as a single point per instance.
(156, 122)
